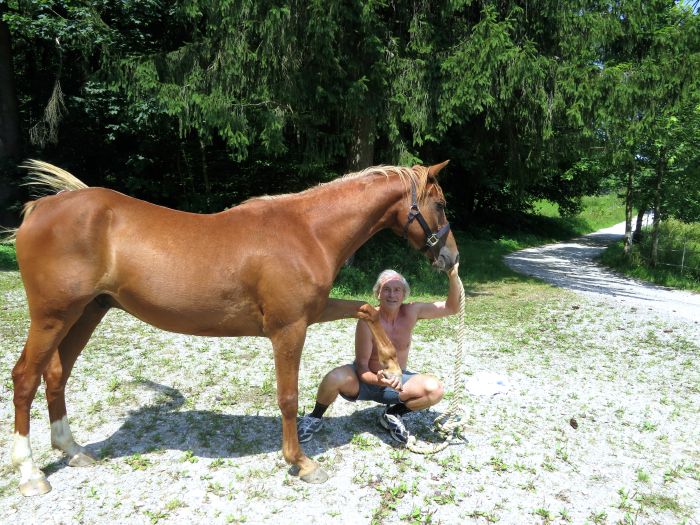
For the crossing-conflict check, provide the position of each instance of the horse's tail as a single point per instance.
(48, 179)
(45, 179)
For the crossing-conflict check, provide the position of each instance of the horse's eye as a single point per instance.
(440, 206)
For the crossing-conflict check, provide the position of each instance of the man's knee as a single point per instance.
(342, 379)
(341, 375)
(434, 389)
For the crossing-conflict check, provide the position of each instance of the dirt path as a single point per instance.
(572, 265)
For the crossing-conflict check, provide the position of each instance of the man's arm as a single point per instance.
(444, 308)
(363, 351)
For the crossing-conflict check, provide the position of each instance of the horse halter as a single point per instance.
(432, 239)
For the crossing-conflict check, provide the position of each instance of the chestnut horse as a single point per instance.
(263, 268)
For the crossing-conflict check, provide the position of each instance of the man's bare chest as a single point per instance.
(399, 332)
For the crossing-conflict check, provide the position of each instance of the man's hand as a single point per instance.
(368, 313)
(392, 381)
(453, 272)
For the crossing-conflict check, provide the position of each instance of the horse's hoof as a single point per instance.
(35, 487)
(81, 459)
(391, 375)
(317, 475)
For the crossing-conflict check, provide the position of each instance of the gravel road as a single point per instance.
(572, 265)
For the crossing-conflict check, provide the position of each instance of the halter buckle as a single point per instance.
(432, 240)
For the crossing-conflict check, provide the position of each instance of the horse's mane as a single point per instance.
(417, 175)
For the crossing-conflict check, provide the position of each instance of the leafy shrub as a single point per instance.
(8, 260)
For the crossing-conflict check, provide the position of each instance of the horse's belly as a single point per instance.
(194, 314)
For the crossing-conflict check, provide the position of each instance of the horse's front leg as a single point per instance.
(385, 348)
(341, 309)
(287, 343)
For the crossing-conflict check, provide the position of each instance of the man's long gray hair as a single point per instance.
(390, 275)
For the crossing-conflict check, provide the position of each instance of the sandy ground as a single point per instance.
(597, 421)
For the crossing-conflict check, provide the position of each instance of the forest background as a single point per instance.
(200, 104)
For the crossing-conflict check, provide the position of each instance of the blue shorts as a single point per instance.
(380, 394)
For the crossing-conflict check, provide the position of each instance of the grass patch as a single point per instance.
(662, 502)
(674, 237)
(598, 212)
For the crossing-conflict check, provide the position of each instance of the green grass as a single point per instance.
(673, 237)
(598, 212)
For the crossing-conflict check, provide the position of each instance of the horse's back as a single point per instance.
(207, 274)
(172, 269)
(77, 240)
(95, 215)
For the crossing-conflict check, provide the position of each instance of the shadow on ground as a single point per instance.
(212, 434)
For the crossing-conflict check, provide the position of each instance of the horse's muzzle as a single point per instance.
(446, 259)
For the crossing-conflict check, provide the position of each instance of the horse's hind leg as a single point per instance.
(56, 377)
(42, 343)
(45, 334)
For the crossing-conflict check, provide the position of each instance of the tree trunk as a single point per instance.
(660, 171)
(362, 146)
(205, 175)
(9, 113)
(628, 213)
(361, 151)
(640, 222)
(10, 137)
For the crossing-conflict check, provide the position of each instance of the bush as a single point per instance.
(388, 251)
(8, 259)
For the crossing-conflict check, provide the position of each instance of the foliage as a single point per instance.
(199, 104)
(8, 260)
(681, 191)
(649, 89)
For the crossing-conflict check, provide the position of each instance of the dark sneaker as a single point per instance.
(307, 427)
(394, 424)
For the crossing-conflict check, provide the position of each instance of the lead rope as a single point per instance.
(449, 424)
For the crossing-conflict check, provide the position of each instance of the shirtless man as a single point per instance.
(364, 379)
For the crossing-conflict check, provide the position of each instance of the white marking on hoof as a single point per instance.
(315, 476)
(62, 439)
(32, 481)
(81, 459)
(35, 487)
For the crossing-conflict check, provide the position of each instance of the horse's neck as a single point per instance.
(346, 215)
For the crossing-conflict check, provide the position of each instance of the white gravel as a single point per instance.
(189, 432)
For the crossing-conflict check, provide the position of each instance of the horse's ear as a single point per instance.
(435, 169)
